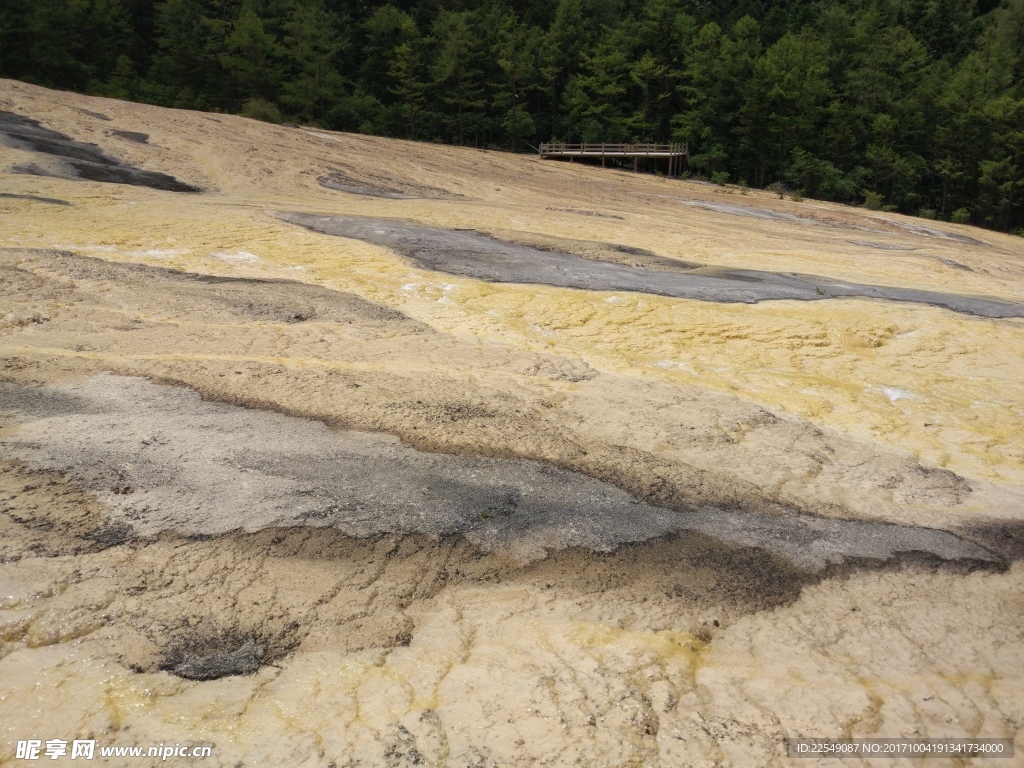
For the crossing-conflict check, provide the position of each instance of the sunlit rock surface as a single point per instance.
(312, 501)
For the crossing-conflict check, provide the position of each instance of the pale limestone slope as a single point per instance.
(424, 650)
(944, 387)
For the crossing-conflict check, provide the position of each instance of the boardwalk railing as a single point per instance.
(613, 150)
(676, 154)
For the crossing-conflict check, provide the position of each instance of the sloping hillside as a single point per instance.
(325, 448)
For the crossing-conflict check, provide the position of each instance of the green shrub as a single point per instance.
(961, 216)
(928, 213)
(817, 177)
(261, 109)
(721, 178)
(872, 200)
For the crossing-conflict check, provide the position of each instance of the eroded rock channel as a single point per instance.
(133, 472)
(209, 606)
(165, 461)
(471, 254)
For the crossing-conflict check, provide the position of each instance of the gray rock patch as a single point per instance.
(595, 214)
(387, 188)
(71, 159)
(747, 211)
(244, 660)
(752, 212)
(134, 136)
(164, 460)
(471, 254)
(917, 229)
(345, 183)
(97, 115)
(883, 246)
(49, 200)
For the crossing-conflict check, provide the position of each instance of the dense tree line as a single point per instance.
(908, 105)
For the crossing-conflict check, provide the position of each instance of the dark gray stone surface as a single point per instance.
(77, 160)
(471, 254)
(164, 460)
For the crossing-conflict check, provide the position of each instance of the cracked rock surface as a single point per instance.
(339, 359)
(427, 651)
(311, 502)
(166, 461)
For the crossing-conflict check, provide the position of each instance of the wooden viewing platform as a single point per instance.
(676, 155)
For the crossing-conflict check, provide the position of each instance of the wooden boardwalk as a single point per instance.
(677, 156)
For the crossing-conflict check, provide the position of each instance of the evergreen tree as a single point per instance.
(408, 88)
(185, 72)
(593, 97)
(908, 105)
(457, 76)
(311, 45)
(251, 56)
(515, 59)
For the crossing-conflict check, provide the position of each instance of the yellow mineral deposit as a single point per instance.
(449, 655)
